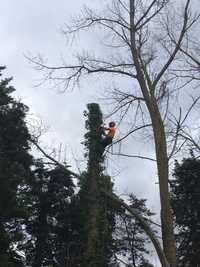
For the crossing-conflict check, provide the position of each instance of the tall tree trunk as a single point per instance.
(160, 145)
(168, 239)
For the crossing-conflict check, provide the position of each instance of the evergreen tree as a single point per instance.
(49, 226)
(96, 214)
(186, 203)
(130, 239)
(15, 164)
(60, 193)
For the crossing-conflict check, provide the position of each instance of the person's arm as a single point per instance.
(104, 130)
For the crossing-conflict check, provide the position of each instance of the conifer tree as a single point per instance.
(15, 164)
(186, 203)
(97, 216)
(130, 239)
(49, 226)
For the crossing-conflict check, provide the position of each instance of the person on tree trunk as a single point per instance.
(109, 134)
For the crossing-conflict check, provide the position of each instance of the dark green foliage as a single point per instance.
(186, 203)
(130, 238)
(97, 216)
(49, 225)
(39, 212)
(15, 162)
(93, 136)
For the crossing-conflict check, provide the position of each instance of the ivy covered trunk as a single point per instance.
(97, 216)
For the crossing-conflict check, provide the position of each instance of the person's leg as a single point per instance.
(106, 141)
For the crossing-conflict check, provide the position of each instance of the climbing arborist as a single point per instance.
(108, 134)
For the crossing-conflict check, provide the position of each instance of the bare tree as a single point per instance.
(147, 41)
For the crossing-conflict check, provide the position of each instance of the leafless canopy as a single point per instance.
(162, 40)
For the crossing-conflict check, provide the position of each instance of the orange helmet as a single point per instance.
(112, 124)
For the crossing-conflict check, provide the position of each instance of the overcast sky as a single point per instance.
(29, 26)
(34, 26)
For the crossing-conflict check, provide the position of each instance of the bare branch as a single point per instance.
(145, 15)
(132, 156)
(185, 135)
(178, 127)
(177, 47)
(132, 131)
(62, 166)
(86, 66)
(144, 225)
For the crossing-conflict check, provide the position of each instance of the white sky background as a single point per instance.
(35, 26)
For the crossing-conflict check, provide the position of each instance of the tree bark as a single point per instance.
(169, 245)
(148, 90)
